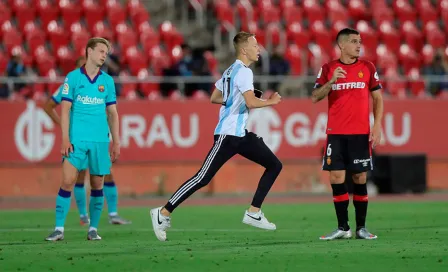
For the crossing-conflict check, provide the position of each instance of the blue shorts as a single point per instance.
(93, 155)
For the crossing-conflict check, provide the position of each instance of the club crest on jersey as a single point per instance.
(101, 88)
(65, 88)
(360, 74)
(328, 161)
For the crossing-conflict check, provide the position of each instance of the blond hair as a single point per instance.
(96, 40)
(240, 38)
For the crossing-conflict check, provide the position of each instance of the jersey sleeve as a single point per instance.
(245, 80)
(374, 82)
(322, 76)
(220, 84)
(56, 97)
(68, 88)
(111, 97)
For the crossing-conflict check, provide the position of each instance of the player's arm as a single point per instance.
(321, 92)
(113, 120)
(50, 110)
(216, 97)
(253, 102)
(66, 104)
(378, 105)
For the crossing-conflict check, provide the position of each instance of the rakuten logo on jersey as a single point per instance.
(89, 100)
(348, 86)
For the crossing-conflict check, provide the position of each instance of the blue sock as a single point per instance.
(80, 197)
(62, 206)
(96, 207)
(111, 192)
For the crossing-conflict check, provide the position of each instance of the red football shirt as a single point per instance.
(348, 100)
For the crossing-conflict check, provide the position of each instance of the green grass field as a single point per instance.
(412, 237)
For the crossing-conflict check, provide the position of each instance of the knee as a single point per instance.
(359, 178)
(277, 166)
(337, 177)
(96, 182)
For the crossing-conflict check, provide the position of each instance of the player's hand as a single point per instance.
(338, 73)
(275, 98)
(375, 136)
(66, 148)
(115, 152)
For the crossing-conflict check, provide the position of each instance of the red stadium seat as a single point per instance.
(389, 36)
(11, 39)
(150, 90)
(275, 34)
(212, 62)
(443, 5)
(70, 12)
(3, 62)
(384, 14)
(159, 60)
(322, 36)
(135, 59)
(434, 35)
(408, 58)
(393, 86)
(427, 11)
(26, 58)
(357, 10)
(338, 26)
(116, 13)
(128, 90)
(428, 54)
(287, 4)
(368, 54)
(294, 57)
(24, 12)
(34, 36)
(102, 30)
(176, 54)
(47, 12)
(336, 11)
(416, 83)
(317, 57)
(404, 10)
(126, 37)
(313, 11)
(170, 35)
(66, 59)
(385, 57)
(293, 14)
(139, 15)
(148, 36)
(368, 36)
(5, 13)
(93, 12)
(57, 35)
(200, 95)
(412, 35)
(298, 35)
(78, 27)
(224, 13)
(53, 74)
(44, 60)
(260, 34)
(79, 40)
(270, 15)
(246, 13)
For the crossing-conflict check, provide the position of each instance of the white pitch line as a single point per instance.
(140, 230)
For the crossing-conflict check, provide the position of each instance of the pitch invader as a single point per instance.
(110, 188)
(349, 82)
(88, 112)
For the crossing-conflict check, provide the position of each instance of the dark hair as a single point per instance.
(345, 32)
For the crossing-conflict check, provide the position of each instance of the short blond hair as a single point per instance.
(96, 40)
(240, 38)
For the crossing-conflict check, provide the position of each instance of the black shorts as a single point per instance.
(347, 152)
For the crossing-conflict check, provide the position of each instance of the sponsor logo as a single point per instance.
(90, 100)
(364, 162)
(348, 86)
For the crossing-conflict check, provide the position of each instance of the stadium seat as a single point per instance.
(224, 13)
(158, 60)
(116, 13)
(404, 11)
(26, 58)
(53, 74)
(313, 11)
(47, 12)
(200, 95)
(11, 39)
(150, 90)
(212, 63)
(3, 62)
(427, 12)
(298, 35)
(393, 86)
(24, 13)
(175, 54)
(139, 15)
(170, 35)
(368, 54)
(78, 27)
(322, 36)
(357, 10)
(383, 14)
(389, 36)
(368, 35)
(58, 36)
(318, 57)
(427, 54)
(292, 14)
(66, 59)
(246, 13)
(336, 11)
(260, 34)
(93, 12)
(270, 15)
(148, 36)
(287, 4)
(336, 27)
(275, 35)
(102, 30)
(35, 37)
(70, 12)
(412, 35)
(434, 35)
(79, 40)
(135, 59)
(5, 13)
(44, 60)
(416, 83)
(443, 5)
(293, 56)
(385, 58)
(128, 90)
(126, 37)
(408, 58)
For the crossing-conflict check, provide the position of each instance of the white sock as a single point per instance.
(61, 229)
(92, 228)
(113, 214)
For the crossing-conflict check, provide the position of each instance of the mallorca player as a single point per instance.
(110, 189)
(88, 112)
(349, 82)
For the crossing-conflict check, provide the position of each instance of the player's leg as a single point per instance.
(70, 168)
(334, 161)
(222, 150)
(360, 163)
(111, 194)
(99, 166)
(253, 148)
(80, 197)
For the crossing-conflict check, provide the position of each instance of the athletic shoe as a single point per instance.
(56, 235)
(258, 220)
(337, 234)
(160, 223)
(84, 220)
(93, 235)
(363, 233)
(117, 220)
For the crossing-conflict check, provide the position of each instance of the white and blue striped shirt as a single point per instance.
(235, 81)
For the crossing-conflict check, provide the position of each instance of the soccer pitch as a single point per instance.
(412, 237)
